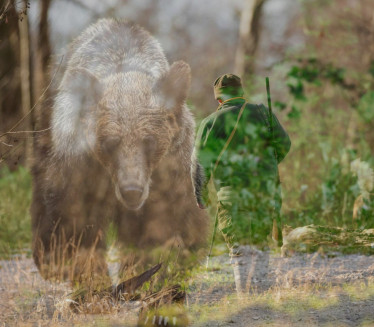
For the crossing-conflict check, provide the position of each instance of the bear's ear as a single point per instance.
(73, 119)
(172, 88)
(86, 86)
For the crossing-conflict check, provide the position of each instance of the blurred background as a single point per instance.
(319, 55)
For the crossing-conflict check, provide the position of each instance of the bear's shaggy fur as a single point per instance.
(119, 149)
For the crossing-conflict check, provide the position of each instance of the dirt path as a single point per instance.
(303, 290)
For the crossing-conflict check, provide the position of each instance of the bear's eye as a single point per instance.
(110, 144)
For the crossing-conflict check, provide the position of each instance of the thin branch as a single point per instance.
(3, 156)
(17, 132)
(6, 144)
(4, 10)
(37, 102)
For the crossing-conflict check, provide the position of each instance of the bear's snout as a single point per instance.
(132, 196)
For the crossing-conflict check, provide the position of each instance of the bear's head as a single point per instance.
(128, 122)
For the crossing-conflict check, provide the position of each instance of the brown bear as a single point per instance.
(119, 149)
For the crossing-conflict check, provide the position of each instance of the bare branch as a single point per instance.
(20, 132)
(6, 9)
(37, 102)
(6, 144)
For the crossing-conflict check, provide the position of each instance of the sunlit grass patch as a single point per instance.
(15, 221)
(367, 323)
(220, 311)
(277, 305)
(359, 291)
(296, 301)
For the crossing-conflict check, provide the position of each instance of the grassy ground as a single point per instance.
(285, 299)
(212, 299)
(15, 221)
(311, 306)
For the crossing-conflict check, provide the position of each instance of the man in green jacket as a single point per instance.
(239, 148)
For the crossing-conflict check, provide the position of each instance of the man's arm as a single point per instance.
(281, 141)
(199, 183)
(199, 180)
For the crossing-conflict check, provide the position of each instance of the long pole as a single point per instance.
(274, 232)
(269, 105)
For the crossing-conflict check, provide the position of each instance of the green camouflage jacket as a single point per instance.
(249, 164)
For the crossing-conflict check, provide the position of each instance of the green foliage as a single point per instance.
(366, 107)
(15, 221)
(280, 105)
(295, 113)
(314, 71)
(371, 69)
(323, 152)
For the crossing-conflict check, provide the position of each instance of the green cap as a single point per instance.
(228, 84)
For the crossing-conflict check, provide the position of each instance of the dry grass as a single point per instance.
(290, 299)
(27, 299)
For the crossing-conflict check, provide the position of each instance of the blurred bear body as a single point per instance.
(119, 149)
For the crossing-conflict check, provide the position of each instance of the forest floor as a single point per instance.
(256, 289)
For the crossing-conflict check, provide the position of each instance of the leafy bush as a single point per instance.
(327, 136)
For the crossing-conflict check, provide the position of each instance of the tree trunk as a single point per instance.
(24, 45)
(41, 65)
(11, 150)
(248, 37)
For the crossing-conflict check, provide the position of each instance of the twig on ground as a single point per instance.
(131, 285)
